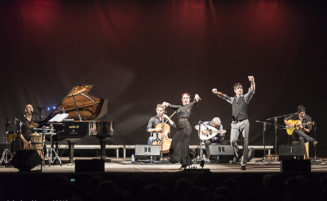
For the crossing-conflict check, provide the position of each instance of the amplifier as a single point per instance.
(221, 150)
(221, 153)
(295, 166)
(147, 152)
(291, 151)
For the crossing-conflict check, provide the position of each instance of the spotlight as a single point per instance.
(48, 108)
(53, 107)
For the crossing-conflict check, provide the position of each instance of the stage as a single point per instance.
(57, 182)
(256, 165)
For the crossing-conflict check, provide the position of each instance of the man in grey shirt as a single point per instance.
(160, 117)
(240, 122)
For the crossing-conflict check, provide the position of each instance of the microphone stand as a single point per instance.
(201, 142)
(276, 127)
(40, 112)
(315, 128)
(263, 139)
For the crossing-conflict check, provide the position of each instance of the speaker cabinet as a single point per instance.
(288, 152)
(221, 153)
(147, 152)
(221, 150)
(95, 165)
(25, 160)
(295, 166)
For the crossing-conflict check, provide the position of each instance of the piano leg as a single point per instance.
(103, 150)
(71, 152)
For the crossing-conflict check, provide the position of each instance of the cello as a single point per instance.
(165, 141)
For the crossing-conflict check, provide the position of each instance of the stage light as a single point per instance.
(48, 108)
(53, 107)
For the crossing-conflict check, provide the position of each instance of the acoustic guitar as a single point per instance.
(295, 124)
(207, 132)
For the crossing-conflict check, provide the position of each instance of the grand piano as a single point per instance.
(84, 112)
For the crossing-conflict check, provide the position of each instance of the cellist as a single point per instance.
(160, 117)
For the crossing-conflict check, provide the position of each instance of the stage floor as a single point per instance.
(121, 165)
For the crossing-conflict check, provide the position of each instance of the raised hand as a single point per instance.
(251, 79)
(165, 104)
(197, 98)
(220, 94)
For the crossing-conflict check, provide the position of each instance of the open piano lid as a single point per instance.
(89, 107)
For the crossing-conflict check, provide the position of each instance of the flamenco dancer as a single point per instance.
(179, 150)
(240, 121)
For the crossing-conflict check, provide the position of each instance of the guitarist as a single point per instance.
(215, 122)
(302, 132)
(157, 119)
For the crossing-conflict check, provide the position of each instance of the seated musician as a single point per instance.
(219, 138)
(27, 129)
(160, 117)
(302, 132)
(29, 122)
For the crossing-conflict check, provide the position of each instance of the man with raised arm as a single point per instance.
(240, 122)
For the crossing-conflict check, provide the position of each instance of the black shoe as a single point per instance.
(243, 167)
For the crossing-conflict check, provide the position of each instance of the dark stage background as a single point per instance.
(140, 53)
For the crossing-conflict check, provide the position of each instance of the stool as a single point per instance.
(306, 148)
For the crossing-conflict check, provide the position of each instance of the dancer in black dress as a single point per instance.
(179, 149)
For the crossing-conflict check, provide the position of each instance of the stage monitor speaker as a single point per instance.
(291, 152)
(221, 153)
(147, 152)
(94, 165)
(295, 166)
(221, 150)
(25, 160)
